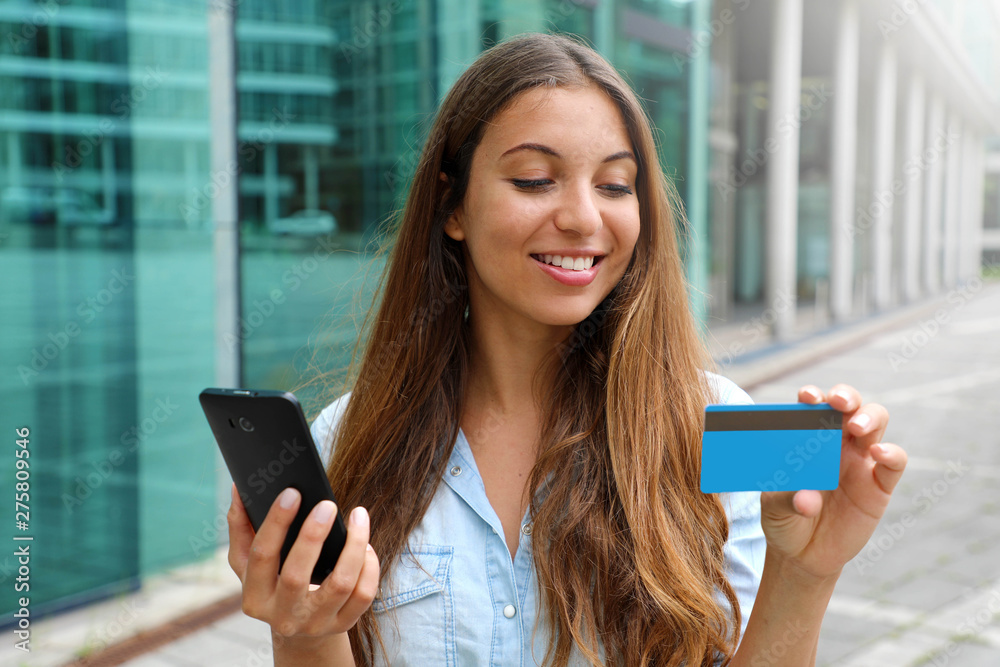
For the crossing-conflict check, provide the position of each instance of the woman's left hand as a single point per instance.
(820, 531)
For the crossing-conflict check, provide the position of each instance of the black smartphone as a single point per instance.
(265, 441)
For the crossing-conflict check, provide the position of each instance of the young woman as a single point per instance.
(525, 425)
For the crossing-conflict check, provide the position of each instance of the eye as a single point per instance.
(616, 190)
(531, 185)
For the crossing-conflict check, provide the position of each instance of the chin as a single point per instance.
(566, 316)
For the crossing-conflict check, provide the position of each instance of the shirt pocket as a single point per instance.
(416, 614)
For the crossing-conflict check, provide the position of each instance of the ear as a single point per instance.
(453, 225)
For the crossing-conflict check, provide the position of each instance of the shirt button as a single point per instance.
(509, 611)
(456, 471)
(526, 529)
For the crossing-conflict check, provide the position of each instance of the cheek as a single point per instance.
(633, 236)
(503, 223)
(627, 228)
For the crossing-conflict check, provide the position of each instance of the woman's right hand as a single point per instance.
(287, 602)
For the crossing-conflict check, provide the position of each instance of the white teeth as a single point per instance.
(567, 262)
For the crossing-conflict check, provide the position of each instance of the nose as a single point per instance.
(578, 211)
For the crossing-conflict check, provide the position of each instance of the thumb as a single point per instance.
(241, 534)
(778, 505)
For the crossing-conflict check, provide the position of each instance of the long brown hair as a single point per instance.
(628, 552)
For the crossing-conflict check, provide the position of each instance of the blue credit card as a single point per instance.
(771, 447)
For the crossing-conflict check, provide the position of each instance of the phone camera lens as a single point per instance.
(246, 424)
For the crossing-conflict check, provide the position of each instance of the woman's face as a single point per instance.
(550, 217)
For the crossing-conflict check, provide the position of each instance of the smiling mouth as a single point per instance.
(570, 263)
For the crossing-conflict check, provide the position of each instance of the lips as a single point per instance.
(571, 270)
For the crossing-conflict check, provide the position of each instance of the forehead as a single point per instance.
(573, 120)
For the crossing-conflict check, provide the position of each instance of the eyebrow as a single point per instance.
(620, 155)
(541, 148)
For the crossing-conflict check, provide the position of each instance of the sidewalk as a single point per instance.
(927, 586)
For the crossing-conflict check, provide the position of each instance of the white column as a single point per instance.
(699, 103)
(964, 206)
(843, 161)
(977, 238)
(953, 201)
(935, 145)
(972, 262)
(883, 163)
(783, 167)
(912, 201)
(225, 205)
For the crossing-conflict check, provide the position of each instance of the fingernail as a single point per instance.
(233, 491)
(883, 449)
(863, 421)
(288, 498)
(839, 394)
(323, 511)
(359, 517)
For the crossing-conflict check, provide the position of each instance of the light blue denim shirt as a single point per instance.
(466, 602)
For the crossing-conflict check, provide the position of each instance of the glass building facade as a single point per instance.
(106, 232)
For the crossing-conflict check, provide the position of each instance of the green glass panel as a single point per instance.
(106, 336)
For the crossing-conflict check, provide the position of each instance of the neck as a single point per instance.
(505, 365)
